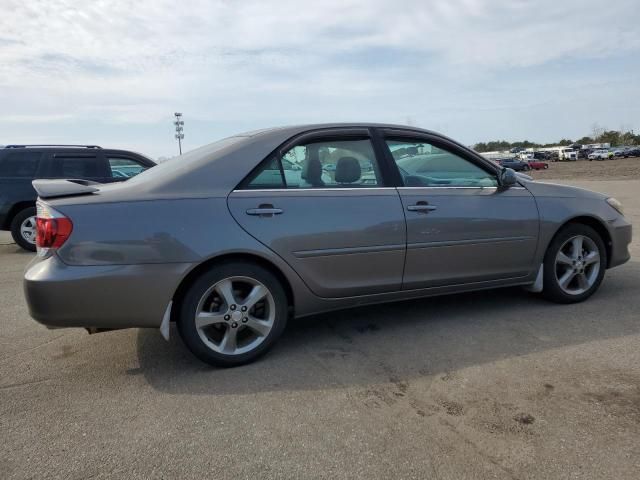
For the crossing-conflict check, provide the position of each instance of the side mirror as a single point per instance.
(508, 178)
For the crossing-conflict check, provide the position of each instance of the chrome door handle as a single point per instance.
(265, 211)
(422, 207)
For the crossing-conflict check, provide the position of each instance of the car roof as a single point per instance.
(79, 149)
(213, 170)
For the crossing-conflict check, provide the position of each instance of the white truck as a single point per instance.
(568, 154)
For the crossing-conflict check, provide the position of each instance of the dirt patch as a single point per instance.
(618, 169)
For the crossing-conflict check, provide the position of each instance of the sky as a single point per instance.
(113, 73)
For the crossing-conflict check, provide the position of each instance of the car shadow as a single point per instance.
(401, 341)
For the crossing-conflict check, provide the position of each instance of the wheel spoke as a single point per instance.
(261, 327)
(258, 292)
(225, 290)
(229, 341)
(577, 246)
(562, 258)
(583, 282)
(565, 280)
(593, 257)
(204, 319)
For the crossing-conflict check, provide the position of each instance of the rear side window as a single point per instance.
(20, 164)
(124, 167)
(77, 166)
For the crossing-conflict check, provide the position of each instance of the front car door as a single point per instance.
(462, 227)
(322, 203)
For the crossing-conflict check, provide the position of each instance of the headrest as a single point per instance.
(348, 170)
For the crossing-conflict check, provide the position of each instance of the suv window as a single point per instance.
(77, 166)
(124, 167)
(20, 164)
(422, 164)
(322, 164)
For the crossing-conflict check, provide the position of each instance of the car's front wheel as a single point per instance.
(574, 264)
(233, 314)
(23, 229)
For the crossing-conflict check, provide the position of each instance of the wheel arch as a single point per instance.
(595, 223)
(201, 268)
(15, 210)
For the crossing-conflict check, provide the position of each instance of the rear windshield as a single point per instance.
(175, 165)
(20, 164)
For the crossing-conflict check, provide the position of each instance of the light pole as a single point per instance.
(179, 123)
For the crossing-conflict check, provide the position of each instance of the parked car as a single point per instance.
(515, 164)
(538, 165)
(230, 255)
(600, 155)
(568, 155)
(20, 164)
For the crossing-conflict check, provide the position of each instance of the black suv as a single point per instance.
(20, 164)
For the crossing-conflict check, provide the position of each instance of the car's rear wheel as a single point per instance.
(23, 229)
(233, 314)
(574, 264)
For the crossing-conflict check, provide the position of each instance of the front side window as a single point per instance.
(322, 164)
(422, 164)
(124, 167)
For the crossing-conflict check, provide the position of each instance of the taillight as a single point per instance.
(52, 228)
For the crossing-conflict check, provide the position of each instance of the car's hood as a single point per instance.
(540, 189)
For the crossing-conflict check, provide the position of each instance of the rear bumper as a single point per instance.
(621, 234)
(117, 296)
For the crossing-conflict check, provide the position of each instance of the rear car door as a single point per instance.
(322, 204)
(462, 227)
(18, 167)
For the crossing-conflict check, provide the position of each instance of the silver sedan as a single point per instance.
(233, 239)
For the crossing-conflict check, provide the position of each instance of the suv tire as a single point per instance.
(23, 220)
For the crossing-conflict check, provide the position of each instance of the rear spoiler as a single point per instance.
(64, 188)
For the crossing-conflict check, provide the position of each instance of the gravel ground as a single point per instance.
(497, 384)
(618, 169)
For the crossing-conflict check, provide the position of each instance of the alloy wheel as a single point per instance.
(235, 315)
(28, 229)
(577, 265)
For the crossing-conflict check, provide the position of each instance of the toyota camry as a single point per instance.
(232, 240)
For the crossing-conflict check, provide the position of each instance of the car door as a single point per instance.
(462, 227)
(329, 214)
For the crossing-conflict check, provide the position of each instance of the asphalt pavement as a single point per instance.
(495, 384)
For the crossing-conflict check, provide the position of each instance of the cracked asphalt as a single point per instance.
(497, 384)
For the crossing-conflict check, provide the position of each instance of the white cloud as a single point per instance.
(240, 63)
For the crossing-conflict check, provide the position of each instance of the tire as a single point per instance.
(526, 168)
(18, 225)
(221, 292)
(592, 271)
(546, 167)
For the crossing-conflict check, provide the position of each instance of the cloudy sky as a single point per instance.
(113, 72)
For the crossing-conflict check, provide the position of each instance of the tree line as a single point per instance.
(599, 135)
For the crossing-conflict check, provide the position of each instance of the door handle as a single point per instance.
(265, 210)
(423, 207)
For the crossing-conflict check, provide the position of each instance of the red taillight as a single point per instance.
(52, 227)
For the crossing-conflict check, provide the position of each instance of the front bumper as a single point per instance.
(115, 296)
(621, 234)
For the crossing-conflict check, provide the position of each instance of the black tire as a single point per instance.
(552, 290)
(527, 168)
(186, 321)
(15, 228)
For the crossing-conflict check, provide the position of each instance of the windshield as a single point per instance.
(180, 163)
